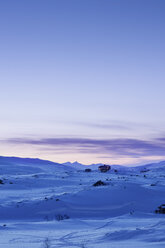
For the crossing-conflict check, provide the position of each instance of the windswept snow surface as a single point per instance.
(46, 204)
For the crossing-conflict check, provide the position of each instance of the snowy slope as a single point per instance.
(159, 165)
(44, 202)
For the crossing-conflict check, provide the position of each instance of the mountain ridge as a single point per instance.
(76, 164)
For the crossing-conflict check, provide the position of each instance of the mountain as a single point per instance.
(75, 164)
(33, 162)
(92, 166)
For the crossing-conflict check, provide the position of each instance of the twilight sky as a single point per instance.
(83, 80)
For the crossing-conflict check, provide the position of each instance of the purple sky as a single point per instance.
(83, 80)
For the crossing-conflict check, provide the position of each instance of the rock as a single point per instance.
(88, 170)
(104, 168)
(161, 209)
(99, 183)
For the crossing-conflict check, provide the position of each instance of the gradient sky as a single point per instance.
(83, 80)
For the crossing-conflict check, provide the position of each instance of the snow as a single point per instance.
(46, 204)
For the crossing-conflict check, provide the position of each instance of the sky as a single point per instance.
(83, 80)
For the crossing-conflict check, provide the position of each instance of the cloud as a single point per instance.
(107, 125)
(115, 125)
(118, 147)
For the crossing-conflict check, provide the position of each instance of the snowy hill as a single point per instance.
(42, 202)
(12, 165)
(152, 167)
(159, 165)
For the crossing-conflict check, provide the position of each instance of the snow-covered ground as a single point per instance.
(45, 204)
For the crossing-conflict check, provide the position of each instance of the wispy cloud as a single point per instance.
(119, 147)
(114, 125)
(106, 125)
